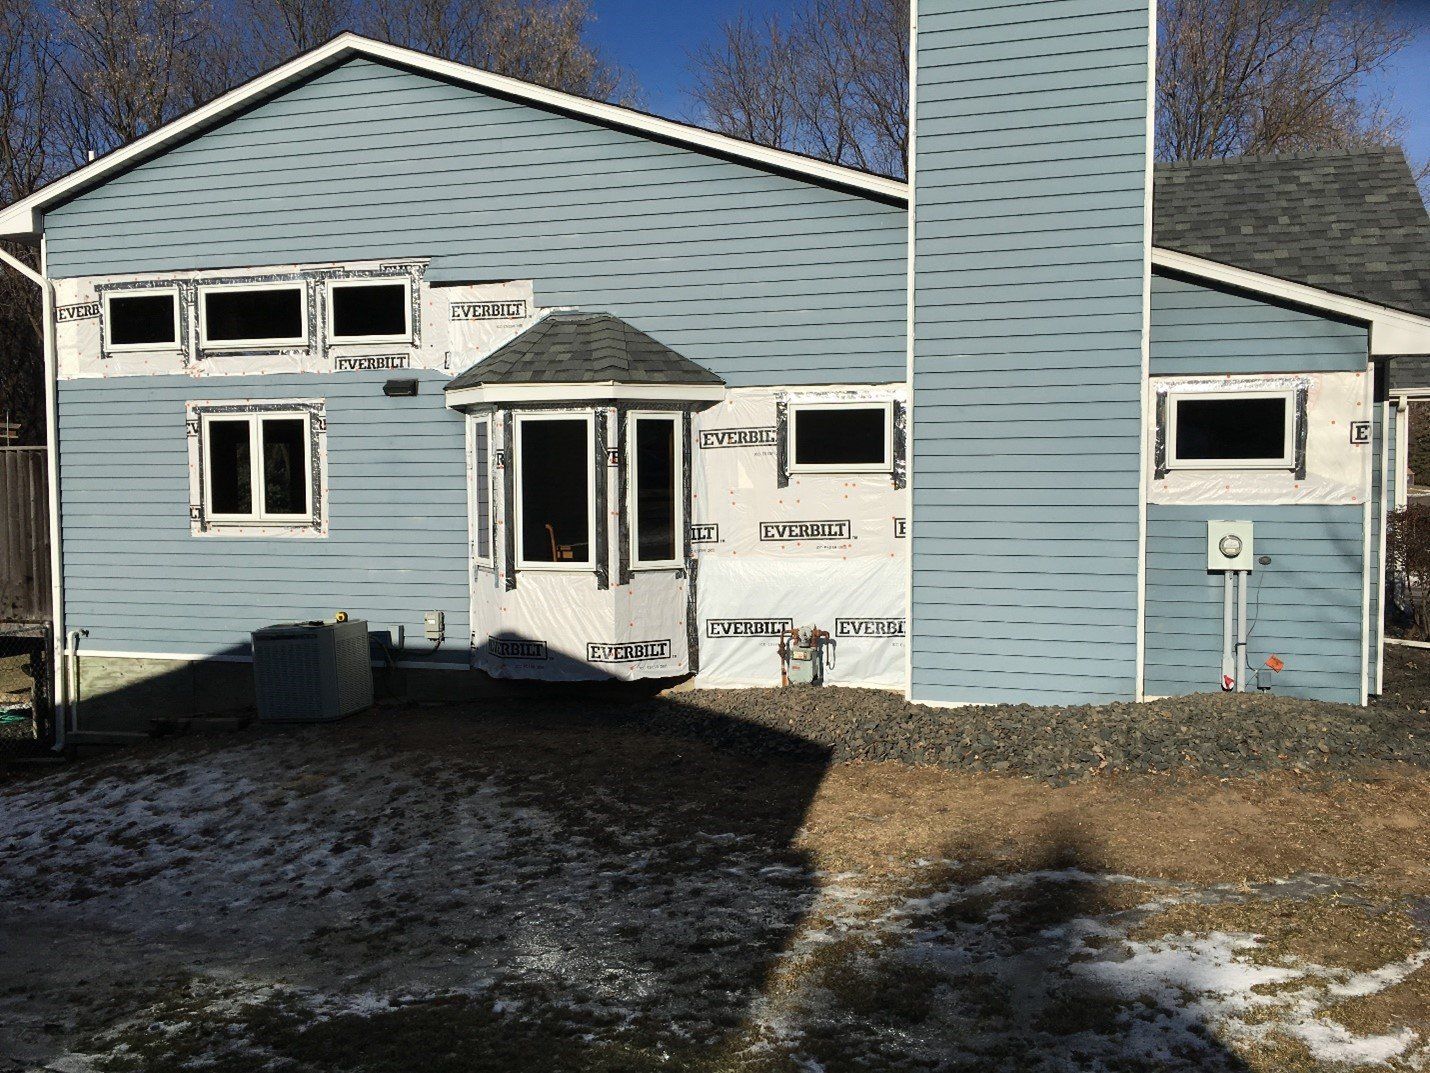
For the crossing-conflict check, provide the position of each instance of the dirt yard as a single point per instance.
(540, 888)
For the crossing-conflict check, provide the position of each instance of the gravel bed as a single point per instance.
(1216, 734)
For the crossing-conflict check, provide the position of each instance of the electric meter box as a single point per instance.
(1229, 546)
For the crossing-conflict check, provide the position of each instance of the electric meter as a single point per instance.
(1229, 546)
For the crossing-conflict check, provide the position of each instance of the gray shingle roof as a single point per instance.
(1410, 371)
(1348, 222)
(575, 347)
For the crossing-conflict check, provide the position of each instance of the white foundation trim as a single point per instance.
(190, 657)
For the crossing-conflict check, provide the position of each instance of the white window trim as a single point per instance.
(249, 344)
(519, 421)
(255, 461)
(405, 336)
(475, 427)
(792, 432)
(112, 347)
(1287, 460)
(633, 484)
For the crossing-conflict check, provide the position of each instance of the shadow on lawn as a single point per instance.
(540, 884)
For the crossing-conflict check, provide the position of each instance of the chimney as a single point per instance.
(1030, 252)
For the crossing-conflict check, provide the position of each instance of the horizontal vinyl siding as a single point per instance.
(1305, 607)
(1029, 273)
(140, 581)
(762, 278)
(1199, 330)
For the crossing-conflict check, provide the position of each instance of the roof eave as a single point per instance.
(578, 391)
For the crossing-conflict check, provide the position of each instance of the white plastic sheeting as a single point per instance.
(775, 550)
(453, 327)
(1335, 466)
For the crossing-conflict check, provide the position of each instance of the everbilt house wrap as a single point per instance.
(543, 388)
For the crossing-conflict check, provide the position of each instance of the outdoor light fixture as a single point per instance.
(398, 389)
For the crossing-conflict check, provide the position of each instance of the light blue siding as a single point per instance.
(763, 278)
(139, 581)
(1029, 273)
(1197, 329)
(1305, 607)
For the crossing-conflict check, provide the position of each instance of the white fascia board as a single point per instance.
(1410, 393)
(580, 392)
(1392, 331)
(23, 219)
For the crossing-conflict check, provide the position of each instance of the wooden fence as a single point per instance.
(24, 535)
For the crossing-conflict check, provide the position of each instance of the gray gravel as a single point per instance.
(1215, 734)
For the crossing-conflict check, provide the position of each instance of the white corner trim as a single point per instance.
(1391, 330)
(576, 392)
(23, 218)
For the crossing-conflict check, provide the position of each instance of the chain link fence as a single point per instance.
(27, 724)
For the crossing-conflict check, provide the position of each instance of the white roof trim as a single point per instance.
(23, 218)
(546, 391)
(1391, 330)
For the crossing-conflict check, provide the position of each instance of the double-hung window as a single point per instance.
(656, 489)
(141, 320)
(1226, 430)
(241, 316)
(258, 467)
(845, 437)
(555, 491)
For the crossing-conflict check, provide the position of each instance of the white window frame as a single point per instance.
(249, 344)
(1287, 460)
(792, 437)
(479, 422)
(518, 422)
(112, 347)
(633, 484)
(254, 420)
(405, 336)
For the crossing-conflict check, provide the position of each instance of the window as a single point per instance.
(1225, 430)
(555, 495)
(841, 437)
(656, 464)
(482, 489)
(141, 320)
(257, 467)
(253, 316)
(360, 311)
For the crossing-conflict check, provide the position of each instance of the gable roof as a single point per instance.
(1351, 223)
(22, 219)
(574, 347)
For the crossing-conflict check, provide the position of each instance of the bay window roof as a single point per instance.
(580, 355)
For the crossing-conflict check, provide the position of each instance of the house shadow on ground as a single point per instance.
(545, 883)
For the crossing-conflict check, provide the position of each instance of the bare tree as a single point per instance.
(280, 28)
(1267, 76)
(541, 41)
(831, 81)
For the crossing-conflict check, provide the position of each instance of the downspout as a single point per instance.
(58, 658)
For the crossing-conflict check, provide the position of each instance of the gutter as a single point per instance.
(59, 647)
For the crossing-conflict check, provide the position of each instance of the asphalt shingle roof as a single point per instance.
(1348, 222)
(576, 347)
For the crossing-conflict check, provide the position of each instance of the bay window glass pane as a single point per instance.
(482, 485)
(230, 472)
(285, 457)
(656, 508)
(555, 467)
(1231, 428)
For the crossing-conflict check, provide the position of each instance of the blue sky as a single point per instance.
(653, 38)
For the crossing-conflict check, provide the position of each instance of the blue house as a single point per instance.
(546, 388)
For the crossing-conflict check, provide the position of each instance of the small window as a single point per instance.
(482, 489)
(253, 316)
(1225, 430)
(554, 492)
(841, 438)
(656, 462)
(258, 467)
(366, 312)
(141, 321)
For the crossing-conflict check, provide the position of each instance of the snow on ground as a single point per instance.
(227, 905)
